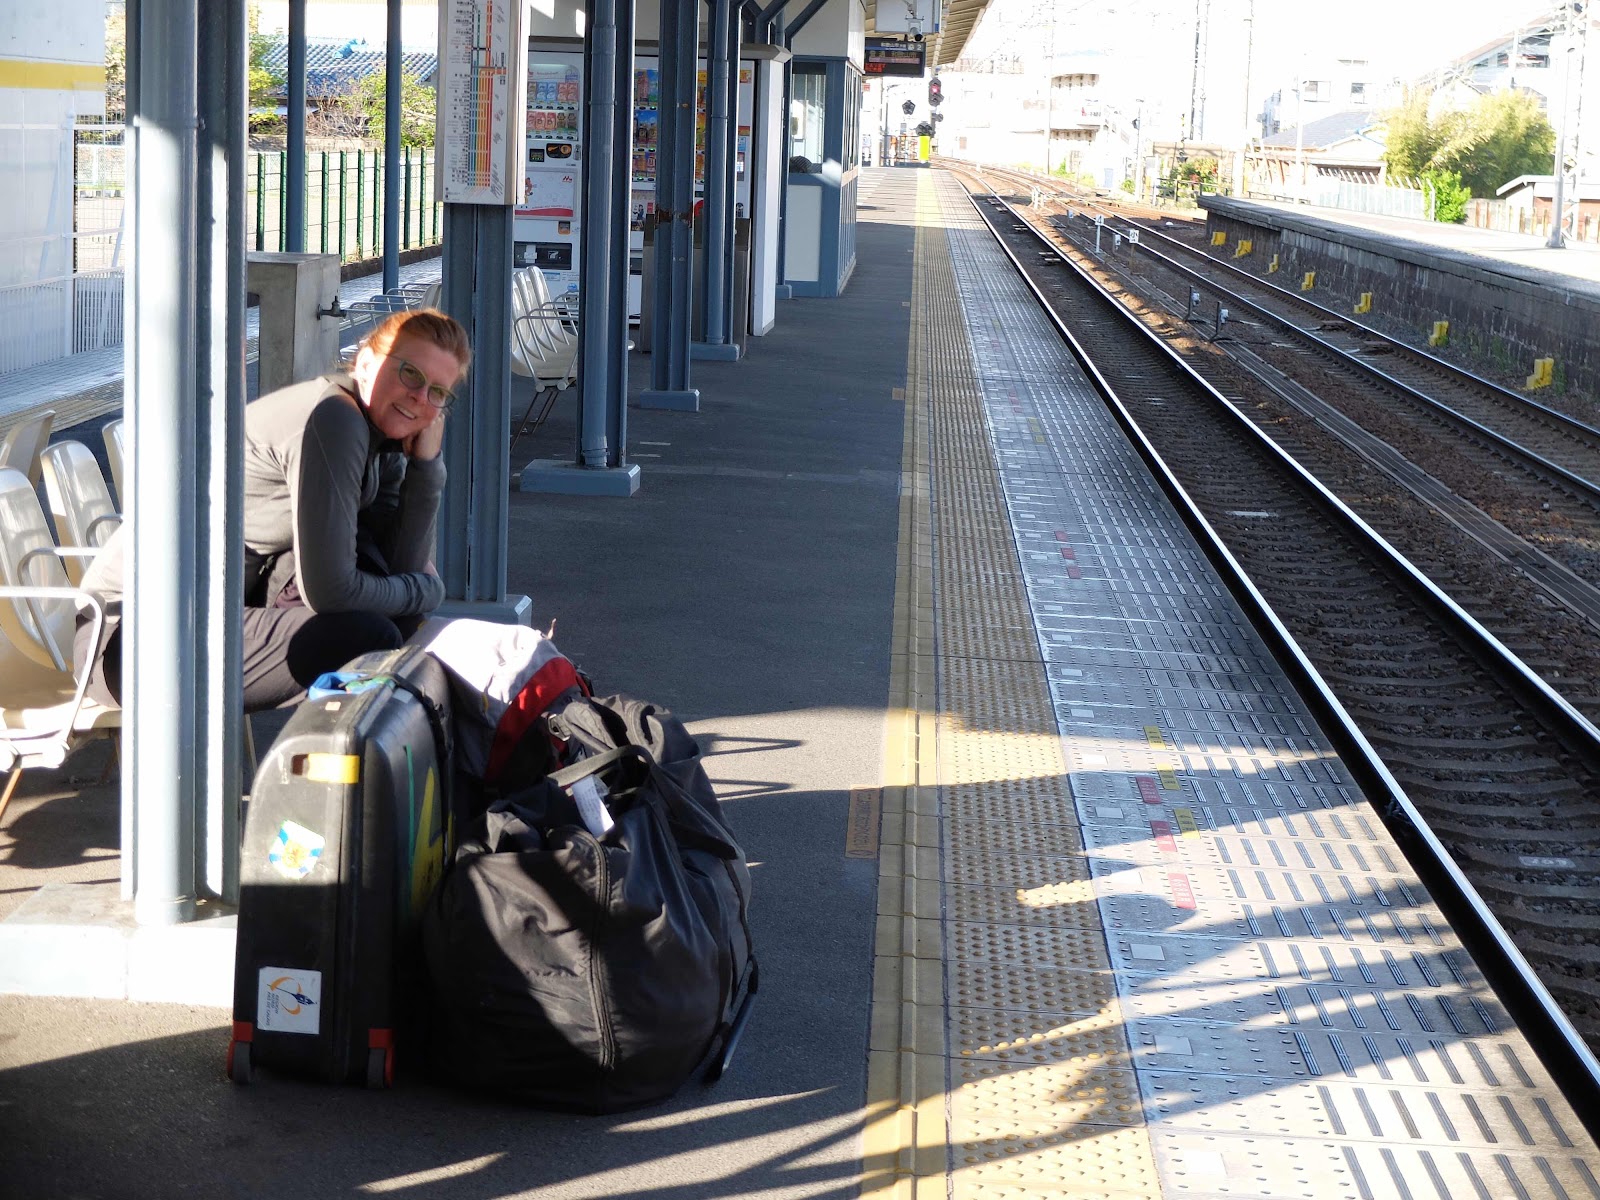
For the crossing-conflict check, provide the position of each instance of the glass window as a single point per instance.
(852, 119)
(808, 107)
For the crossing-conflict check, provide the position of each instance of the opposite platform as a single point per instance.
(1494, 302)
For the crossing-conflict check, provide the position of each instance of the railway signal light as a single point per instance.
(935, 92)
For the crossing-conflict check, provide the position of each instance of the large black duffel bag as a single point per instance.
(582, 967)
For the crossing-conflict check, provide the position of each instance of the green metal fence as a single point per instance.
(344, 201)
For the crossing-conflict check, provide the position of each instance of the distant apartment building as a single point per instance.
(1334, 86)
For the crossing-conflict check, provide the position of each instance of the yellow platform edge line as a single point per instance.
(903, 1139)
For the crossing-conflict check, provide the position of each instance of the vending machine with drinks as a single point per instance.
(646, 125)
(548, 225)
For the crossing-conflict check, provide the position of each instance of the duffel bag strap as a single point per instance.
(593, 765)
(685, 833)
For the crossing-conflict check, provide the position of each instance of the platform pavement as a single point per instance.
(749, 586)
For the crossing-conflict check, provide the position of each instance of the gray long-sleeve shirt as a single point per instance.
(316, 472)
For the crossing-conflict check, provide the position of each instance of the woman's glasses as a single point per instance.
(438, 396)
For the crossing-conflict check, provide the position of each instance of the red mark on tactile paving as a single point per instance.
(1148, 792)
(1163, 835)
(1061, 535)
(1074, 573)
(1182, 893)
(1067, 552)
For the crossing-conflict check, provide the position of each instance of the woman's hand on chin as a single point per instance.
(427, 442)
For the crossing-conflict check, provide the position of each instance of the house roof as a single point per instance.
(334, 65)
(1544, 185)
(1324, 131)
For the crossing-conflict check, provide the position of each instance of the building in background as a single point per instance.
(53, 259)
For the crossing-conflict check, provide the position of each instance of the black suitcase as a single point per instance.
(348, 830)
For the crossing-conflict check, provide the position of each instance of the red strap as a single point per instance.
(380, 1039)
(545, 686)
(244, 1031)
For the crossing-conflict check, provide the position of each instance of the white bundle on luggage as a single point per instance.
(503, 677)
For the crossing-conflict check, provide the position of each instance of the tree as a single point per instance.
(265, 85)
(1506, 134)
(1503, 135)
(418, 105)
(116, 63)
(1190, 177)
(1450, 196)
(1412, 139)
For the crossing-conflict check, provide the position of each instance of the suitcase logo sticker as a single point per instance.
(295, 850)
(290, 1001)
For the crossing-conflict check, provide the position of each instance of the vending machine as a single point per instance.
(646, 125)
(547, 226)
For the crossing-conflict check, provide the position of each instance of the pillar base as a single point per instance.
(513, 610)
(687, 400)
(782, 291)
(564, 478)
(718, 352)
(81, 939)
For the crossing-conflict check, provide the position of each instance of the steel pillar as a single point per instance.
(602, 468)
(783, 35)
(391, 149)
(621, 218)
(220, 336)
(172, 676)
(674, 248)
(474, 511)
(294, 182)
(718, 190)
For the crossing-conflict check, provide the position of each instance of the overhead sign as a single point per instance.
(482, 102)
(891, 56)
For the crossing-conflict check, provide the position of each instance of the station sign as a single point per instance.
(893, 56)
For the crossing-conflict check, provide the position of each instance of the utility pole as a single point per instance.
(1138, 151)
(1300, 135)
(1050, 90)
(1196, 95)
(1242, 168)
(1564, 206)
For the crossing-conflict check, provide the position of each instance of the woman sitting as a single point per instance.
(342, 479)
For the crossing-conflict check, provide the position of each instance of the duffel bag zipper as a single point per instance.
(597, 974)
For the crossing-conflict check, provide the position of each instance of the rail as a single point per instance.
(1552, 1036)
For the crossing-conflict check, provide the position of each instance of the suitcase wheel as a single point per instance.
(239, 1068)
(380, 1066)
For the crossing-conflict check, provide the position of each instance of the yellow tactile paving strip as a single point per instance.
(998, 1061)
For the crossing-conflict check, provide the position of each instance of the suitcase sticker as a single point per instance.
(290, 1001)
(295, 850)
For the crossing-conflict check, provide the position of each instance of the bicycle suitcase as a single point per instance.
(348, 830)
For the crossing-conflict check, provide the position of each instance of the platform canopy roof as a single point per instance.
(956, 22)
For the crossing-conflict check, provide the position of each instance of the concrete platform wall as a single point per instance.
(1504, 321)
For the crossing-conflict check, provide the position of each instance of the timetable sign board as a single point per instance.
(483, 88)
(891, 56)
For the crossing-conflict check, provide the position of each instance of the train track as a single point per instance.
(1497, 768)
(1515, 474)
